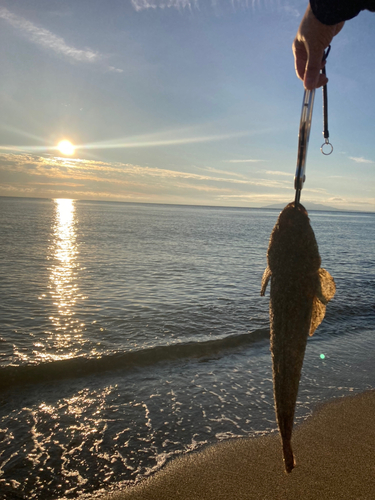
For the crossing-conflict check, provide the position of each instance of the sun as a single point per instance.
(66, 148)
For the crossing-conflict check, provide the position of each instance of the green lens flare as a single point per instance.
(322, 356)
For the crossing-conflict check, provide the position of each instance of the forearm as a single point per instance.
(332, 12)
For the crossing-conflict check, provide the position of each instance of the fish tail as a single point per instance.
(289, 461)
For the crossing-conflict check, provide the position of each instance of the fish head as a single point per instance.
(292, 217)
(293, 247)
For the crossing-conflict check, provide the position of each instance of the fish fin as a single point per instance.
(324, 294)
(289, 460)
(327, 286)
(317, 316)
(266, 277)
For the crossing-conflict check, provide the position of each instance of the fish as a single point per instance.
(300, 291)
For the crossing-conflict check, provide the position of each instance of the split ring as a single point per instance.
(327, 151)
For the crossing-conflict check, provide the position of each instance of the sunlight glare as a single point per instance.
(66, 147)
(64, 286)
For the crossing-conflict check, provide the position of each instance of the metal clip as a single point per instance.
(303, 142)
(304, 134)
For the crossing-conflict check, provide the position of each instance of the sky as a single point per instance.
(180, 102)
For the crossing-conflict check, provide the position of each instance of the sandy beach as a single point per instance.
(334, 449)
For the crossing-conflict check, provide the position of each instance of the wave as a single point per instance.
(81, 366)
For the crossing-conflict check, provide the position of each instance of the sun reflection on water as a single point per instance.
(63, 273)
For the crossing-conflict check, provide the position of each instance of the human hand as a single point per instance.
(312, 38)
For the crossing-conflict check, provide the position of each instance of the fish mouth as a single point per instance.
(300, 207)
(291, 217)
(297, 206)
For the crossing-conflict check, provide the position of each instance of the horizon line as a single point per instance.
(267, 207)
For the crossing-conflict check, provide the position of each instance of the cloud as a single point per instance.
(367, 204)
(317, 190)
(51, 176)
(46, 39)
(191, 135)
(224, 172)
(204, 188)
(360, 159)
(66, 184)
(243, 161)
(163, 139)
(164, 4)
(258, 198)
(290, 10)
(115, 70)
(39, 169)
(50, 41)
(278, 172)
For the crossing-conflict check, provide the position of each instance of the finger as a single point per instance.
(312, 72)
(300, 59)
(323, 80)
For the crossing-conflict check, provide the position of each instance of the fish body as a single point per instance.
(300, 290)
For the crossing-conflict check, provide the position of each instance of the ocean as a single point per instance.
(134, 333)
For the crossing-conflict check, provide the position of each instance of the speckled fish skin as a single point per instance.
(300, 289)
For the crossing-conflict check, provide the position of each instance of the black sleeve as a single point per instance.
(334, 11)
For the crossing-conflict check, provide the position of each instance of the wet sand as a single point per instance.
(335, 454)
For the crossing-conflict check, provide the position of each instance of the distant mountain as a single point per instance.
(309, 205)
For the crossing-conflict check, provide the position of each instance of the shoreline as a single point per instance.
(334, 450)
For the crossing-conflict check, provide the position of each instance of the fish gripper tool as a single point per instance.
(304, 134)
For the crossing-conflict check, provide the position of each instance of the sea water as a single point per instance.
(133, 333)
